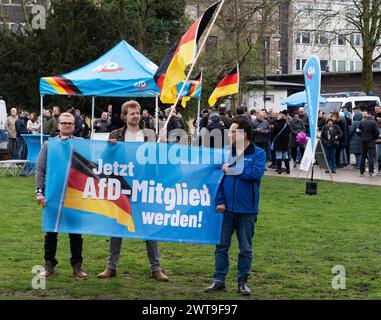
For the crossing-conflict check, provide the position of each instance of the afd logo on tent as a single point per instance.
(108, 66)
(141, 85)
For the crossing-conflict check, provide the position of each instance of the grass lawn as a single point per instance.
(298, 240)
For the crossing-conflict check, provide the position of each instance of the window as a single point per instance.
(300, 64)
(324, 65)
(321, 38)
(355, 40)
(340, 40)
(303, 37)
(341, 65)
(377, 66)
(358, 66)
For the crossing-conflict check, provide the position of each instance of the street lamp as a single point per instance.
(276, 37)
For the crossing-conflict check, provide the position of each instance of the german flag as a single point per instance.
(229, 85)
(192, 89)
(172, 70)
(82, 169)
(63, 85)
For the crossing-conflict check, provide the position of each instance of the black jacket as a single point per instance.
(368, 130)
(281, 141)
(328, 138)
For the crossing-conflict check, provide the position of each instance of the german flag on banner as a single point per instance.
(63, 85)
(192, 89)
(80, 171)
(172, 69)
(229, 85)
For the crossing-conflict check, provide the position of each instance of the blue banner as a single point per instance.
(312, 79)
(138, 190)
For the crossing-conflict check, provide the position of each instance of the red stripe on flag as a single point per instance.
(228, 80)
(64, 86)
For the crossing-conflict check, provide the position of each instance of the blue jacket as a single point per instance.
(240, 193)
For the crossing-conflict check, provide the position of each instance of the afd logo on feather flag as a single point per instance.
(310, 72)
(108, 66)
(95, 188)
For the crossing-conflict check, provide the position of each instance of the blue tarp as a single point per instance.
(121, 72)
(299, 99)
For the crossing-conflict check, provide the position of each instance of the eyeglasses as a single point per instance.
(67, 123)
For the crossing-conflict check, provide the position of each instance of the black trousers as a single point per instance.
(368, 151)
(51, 241)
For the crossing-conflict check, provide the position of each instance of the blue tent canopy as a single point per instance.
(299, 99)
(121, 72)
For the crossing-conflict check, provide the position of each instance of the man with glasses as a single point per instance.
(66, 125)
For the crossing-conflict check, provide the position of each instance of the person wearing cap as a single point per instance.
(79, 126)
(216, 131)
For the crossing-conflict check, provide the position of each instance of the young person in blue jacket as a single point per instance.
(237, 199)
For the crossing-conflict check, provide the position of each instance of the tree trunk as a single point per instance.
(367, 73)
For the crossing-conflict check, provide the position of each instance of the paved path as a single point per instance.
(345, 175)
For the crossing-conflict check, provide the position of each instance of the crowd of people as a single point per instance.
(283, 136)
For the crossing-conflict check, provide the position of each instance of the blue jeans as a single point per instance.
(279, 155)
(20, 148)
(243, 224)
(358, 160)
(330, 153)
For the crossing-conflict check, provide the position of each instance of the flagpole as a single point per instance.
(199, 105)
(238, 100)
(192, 66)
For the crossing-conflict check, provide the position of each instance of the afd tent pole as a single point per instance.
(92, 116)
(42, 119)
(157, 114)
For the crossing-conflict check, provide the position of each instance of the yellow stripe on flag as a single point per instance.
(221, 92)
(55, 85)
(106, 208)
(176, 71)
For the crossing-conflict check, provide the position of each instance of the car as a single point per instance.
(365, 103)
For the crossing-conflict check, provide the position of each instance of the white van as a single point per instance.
(366, 103)
(3, 118)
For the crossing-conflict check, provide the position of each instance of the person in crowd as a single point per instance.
(85, 127)
(173, 124)
(102, 124)
(224, 117)
(11, 130)
(297, 125)
(21, 147)
(355, 140)
(204, 120)
(253, 114)
(78, 130)
(148, 122)
(378, 148)
(261, 134)
(377, 112)
(132, 131)
(49, 123)
(216, 131)
(341, 153)
(280, 141)
(56, 112)
(303, 116)
(369, 132)
(330, 138)
(321, 120)
(241, 111)
(238, 199)
(34, 125)
(66, 124)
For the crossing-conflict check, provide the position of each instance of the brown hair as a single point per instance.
(126, 105)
